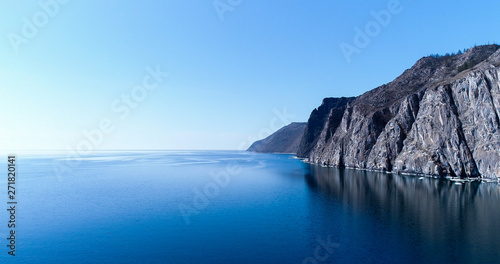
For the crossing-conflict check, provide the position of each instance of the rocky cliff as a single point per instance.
(440, 117)
(285, 140)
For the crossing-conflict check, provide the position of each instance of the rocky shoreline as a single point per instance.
(432, 120)
(439, 118)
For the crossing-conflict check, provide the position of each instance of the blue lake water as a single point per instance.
(239, 207)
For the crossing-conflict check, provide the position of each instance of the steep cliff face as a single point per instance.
(441, 117)
(285, 140)
(331, 109)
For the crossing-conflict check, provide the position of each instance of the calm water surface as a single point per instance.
(239, 207)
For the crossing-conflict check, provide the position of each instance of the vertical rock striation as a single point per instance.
(440, 117)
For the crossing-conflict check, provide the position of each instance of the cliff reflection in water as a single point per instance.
(440, 215)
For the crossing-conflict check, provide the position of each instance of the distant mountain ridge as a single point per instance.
(440, 117)
(285, 140)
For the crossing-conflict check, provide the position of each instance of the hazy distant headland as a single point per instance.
(440, 118)
(285, 140)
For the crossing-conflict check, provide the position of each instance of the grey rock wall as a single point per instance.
(441, 117)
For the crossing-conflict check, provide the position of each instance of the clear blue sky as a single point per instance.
(225, 76)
